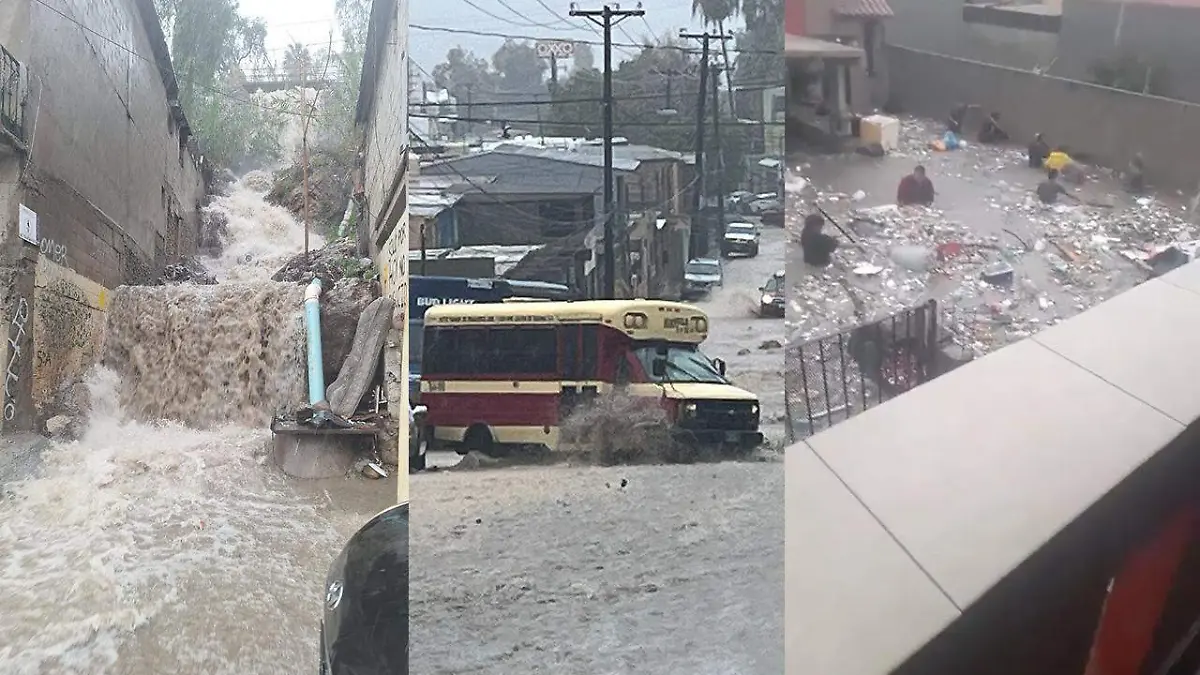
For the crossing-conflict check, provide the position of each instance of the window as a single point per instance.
(579, 349)
(515, 351)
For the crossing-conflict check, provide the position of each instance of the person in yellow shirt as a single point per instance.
(1058, 160)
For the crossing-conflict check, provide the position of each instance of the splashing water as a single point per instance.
(207, 355)
(166, 549)
(260, 237)
(151, 546)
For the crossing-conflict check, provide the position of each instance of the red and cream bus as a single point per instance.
(508, 373)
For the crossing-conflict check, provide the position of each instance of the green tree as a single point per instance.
(760, 60)
(583, 58)
(519, 68)
(718, 13)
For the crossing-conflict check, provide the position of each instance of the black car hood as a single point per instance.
(365, 626)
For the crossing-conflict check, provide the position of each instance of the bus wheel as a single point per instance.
(479, 439)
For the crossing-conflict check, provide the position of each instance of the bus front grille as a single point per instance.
(723, 416)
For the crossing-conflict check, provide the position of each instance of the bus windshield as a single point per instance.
(685, 363)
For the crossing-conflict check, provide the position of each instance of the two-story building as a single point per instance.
(524, 193)
(101, 182)
(836, 70)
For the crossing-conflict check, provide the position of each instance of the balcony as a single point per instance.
(12, 99)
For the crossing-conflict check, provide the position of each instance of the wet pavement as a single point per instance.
(567, 569)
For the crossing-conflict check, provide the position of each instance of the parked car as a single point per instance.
(740, 239)
(418, 442)
(700, 275)
(364, 626)
(772, 301)
(738, 202)
(766, 201)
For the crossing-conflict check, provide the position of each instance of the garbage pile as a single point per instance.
(994, 285)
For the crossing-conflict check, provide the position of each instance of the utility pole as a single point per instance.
(719, 167)
(699, 240)
(606, 18)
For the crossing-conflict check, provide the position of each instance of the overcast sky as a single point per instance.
(310, 21)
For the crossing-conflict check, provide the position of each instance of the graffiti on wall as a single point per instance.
(16, 336)
(55, 251)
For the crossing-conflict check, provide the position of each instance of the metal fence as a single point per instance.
(11, 93)
(830, 379)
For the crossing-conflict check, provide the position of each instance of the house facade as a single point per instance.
(552, 197)
(101, 182)
(834, 51)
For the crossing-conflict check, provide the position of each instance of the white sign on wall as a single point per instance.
(27, 225)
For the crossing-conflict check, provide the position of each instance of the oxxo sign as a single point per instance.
(559, 49)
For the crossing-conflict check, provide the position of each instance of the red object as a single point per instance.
(793, 17)
(1137, 598)
(913, 191)
(949, 250)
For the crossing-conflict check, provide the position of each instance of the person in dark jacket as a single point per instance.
(992, 132)
(1049, 189)
(915, 188)
(1135, 177)
(818, 247)
(1039, 150)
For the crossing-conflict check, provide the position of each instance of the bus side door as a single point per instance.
(579, 350)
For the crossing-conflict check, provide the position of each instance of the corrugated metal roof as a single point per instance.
(864, 8)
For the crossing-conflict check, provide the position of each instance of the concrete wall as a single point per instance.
(67, 329)
(100, 125)
(108, 173)
(383, 107)
(1108, 125)
(1156, 33)
(387, 132)
(938, 26)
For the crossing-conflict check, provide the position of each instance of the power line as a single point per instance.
(516, 36)
(508, 120)
(548, 101)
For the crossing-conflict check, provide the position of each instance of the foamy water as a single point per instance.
(208, 355)
(261, 237)
(153, 546)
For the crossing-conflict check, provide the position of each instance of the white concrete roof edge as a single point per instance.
(913, 466)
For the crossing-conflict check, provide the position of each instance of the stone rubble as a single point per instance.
(993, 288)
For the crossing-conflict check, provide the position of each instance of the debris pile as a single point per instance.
(1017, 267)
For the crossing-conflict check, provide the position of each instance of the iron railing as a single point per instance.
(831, 379)
(11, 93)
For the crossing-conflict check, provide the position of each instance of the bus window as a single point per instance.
(569, 336)
(589, 360)
(578, 352)
(684, 363)
(495, 351)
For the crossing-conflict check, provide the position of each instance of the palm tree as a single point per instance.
(297, 60)
(716, 13)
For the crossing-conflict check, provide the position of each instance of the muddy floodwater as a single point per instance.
(152, 546)
(573, 569)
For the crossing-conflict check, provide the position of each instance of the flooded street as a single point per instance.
(1000, 265)
(585, 570)
(153, 546)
